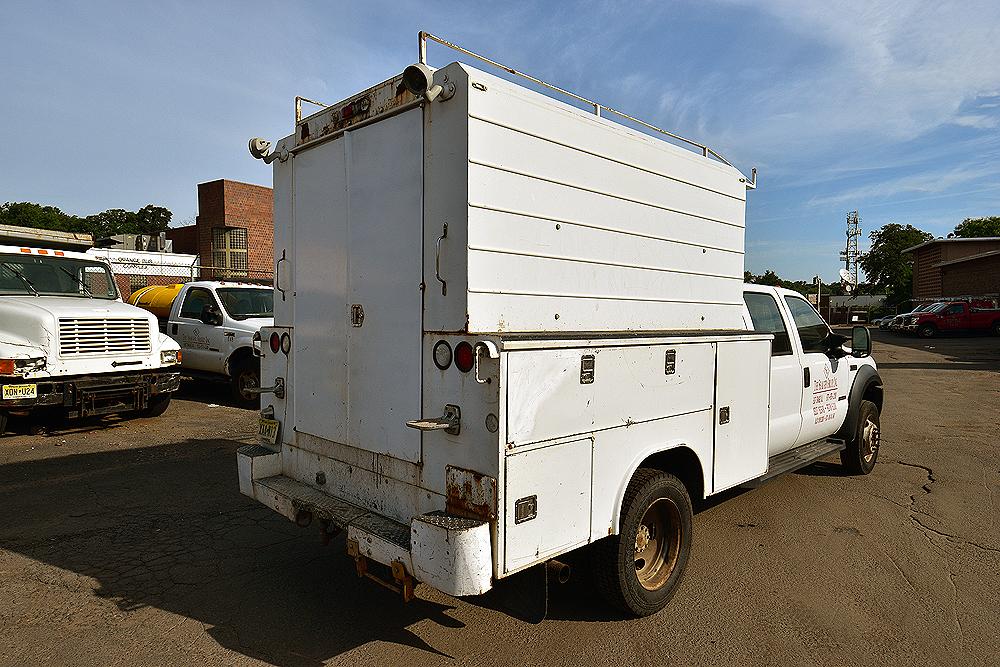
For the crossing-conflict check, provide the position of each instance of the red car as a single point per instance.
(973, 315)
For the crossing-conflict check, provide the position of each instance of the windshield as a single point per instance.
(37, 275)
(244, 302)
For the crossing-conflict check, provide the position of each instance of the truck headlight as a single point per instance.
(169, 357)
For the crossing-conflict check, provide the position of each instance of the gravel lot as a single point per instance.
(127, 542)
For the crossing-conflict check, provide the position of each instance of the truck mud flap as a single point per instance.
(524, 595)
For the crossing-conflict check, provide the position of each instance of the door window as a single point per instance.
(956, 309)
(811, 327)
(196, 299)
(767, 319)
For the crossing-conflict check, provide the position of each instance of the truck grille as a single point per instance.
(101, 336)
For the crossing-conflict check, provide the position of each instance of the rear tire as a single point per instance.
(862, 452)
(157, 406)
(638, 570)
(3, 423)
(245, 374)
(995, 329)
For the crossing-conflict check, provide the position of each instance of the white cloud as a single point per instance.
(888, 71)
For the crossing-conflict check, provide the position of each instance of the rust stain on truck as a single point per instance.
(470, 494)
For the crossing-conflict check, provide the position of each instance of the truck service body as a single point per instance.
(217, 325)
(67, 341)
(506, 328)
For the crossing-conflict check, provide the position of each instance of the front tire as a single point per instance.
(638, 570)
(862, 452)
(926, 331)
(246, 375)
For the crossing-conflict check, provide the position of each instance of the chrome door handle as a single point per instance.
(437, 260)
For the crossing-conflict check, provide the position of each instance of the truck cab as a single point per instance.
(217, 325)
(817, 381)
(68, 343)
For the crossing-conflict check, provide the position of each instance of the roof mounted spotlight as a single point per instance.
(260, 149)
(419, 80)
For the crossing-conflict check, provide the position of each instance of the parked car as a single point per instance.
(972, 315)
(217, 325)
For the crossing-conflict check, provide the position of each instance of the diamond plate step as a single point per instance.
(339, 512)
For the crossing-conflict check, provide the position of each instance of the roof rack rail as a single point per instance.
(599, 108)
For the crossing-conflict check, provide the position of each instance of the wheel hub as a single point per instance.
(657, 544)
(870, 438)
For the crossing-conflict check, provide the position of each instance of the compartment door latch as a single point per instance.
(450, 422)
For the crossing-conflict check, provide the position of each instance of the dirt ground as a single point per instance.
(127, 542)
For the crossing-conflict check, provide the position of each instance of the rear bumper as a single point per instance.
(452, 554)
(85, 395)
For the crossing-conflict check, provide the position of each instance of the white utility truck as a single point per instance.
(507, 328)
(217, 324)
(68, 343)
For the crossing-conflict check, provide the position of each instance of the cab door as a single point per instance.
(824, 380)
(784, 411)
(201, 343)
(953, 317)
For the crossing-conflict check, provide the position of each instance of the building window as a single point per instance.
(229, 251)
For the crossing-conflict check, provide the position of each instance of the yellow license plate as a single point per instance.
(267, 430)
(12, 392)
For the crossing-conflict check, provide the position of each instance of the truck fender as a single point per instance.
(241, 352)
(669, 459)
(866, 383)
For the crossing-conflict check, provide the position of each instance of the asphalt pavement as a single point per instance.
(127, 542)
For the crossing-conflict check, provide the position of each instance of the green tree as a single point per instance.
(149, 219)
(889, 271)
(36, 216)
(152, 219)
(978, 227)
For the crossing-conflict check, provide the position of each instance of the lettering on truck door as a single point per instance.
(824, 379)
(785, 406)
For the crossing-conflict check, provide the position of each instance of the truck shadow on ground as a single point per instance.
(165, 526)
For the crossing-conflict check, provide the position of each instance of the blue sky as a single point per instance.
(890, 108)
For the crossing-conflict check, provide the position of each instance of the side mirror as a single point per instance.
(861, 342)
(210, 315)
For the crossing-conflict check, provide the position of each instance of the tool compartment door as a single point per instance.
(358, 222)
(742, 381)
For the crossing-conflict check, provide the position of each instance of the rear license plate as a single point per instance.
(15, 391)
(267, 430)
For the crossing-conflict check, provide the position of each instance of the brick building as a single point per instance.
(233, 234)
(956, 267)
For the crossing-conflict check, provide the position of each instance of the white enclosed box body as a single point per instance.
(596, 273)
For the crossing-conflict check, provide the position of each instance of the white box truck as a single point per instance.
(507, 328)
(69, 344)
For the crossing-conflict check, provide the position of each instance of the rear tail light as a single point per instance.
(442, 354)
(275, 342)
(465, 357)
(6, 366)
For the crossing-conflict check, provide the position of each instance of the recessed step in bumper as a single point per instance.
(450, 553)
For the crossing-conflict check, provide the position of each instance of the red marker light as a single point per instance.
(275, 342)
(465, 358)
